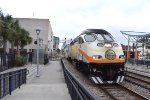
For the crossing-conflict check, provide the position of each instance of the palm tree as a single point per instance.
(17, 41)
(1, 25)
(0, 19)
(22, 39)
(25, 39)
(15, 30)
(11, 31)
(6, 29)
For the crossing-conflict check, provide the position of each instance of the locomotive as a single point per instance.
(96, 52)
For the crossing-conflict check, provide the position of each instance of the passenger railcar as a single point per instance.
(96, 52)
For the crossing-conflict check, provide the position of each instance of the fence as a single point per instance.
(7, 61)
(11, 79)
(76, 89)
(139, 61)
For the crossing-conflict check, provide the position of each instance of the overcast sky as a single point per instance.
(70, 17)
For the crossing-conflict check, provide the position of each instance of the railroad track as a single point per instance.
(119, 92)
(137, 71)
(104, 92)
(137, 79)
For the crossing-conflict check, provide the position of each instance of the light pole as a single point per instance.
(37, 32)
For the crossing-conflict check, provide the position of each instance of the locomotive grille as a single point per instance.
(110, 55)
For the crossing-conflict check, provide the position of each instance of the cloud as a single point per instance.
(70, 17)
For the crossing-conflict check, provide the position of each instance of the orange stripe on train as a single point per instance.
(103, 60)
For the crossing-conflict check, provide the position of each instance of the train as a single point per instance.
(96, 52)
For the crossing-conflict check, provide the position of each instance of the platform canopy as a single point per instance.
(133, 36)
(136, 34)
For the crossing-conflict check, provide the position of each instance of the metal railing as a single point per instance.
(139, 61)
(77, 90)
(11, 79)
(7, 61)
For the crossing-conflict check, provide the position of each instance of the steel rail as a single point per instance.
(117, 87)
(144, 81)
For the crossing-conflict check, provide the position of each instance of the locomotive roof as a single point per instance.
(98, 31)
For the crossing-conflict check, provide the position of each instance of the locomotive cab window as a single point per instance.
(89, 38)
(81, 40)
(108, 37)
(100, 37)
(76, 40)
(72, 43)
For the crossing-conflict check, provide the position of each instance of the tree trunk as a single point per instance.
(22, 49)
(4, 56)
(18, 51)
(12, 47)
(4, 46)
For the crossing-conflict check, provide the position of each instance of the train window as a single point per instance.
(89, 38)
(76, 40)
(100, 37)
(108, 37)
(81, 40)
(147, 46)
(72, 43)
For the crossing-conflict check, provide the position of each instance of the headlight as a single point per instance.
(108, 45)
(121, 57)
(115, 45)
(97, 57)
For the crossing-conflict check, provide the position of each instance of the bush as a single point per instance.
(20, 60)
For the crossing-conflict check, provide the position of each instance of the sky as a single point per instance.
(69, 18)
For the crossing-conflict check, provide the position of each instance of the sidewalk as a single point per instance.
(49, 86)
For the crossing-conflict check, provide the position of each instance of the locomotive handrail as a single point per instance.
(77, 90)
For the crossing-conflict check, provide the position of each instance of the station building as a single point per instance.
(45, 36)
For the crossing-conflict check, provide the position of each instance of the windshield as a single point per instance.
(104, 37)
(89, 37)
(100, 37)
(108, 37)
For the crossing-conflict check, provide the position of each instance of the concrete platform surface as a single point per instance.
(49, 86)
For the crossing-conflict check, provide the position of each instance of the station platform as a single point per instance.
(49, 86)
